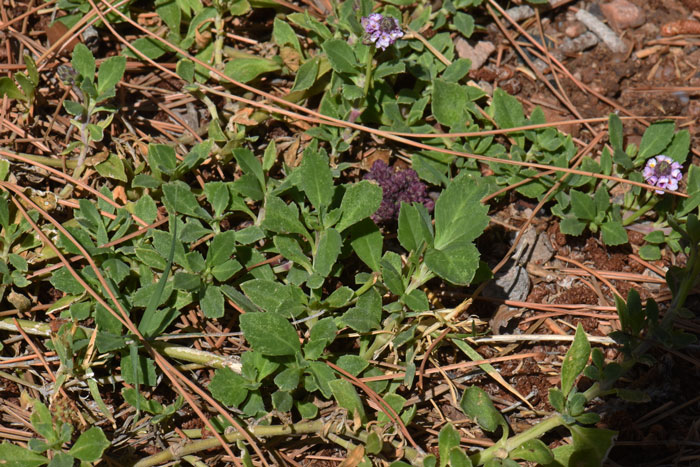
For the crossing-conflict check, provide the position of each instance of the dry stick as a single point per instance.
(123, 239)
(69, 179)
(548, 56)
(567, 103)
(123, 318)
(316, 117)
(502, 131)
(592, 273)
(454, 366)
(390, 412)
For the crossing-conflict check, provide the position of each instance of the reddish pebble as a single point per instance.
(622, 14)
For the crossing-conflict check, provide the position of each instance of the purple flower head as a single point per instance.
(380, 30)
(402, 186)
(663, 172)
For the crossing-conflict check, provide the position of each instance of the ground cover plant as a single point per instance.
(260, 232)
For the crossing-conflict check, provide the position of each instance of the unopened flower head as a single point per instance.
(402, 186)
(380, 30)
(663, 172)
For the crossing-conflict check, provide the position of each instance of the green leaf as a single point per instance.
(583, 205)
(391, 277)
(655, 139)
(289, 247)
(346, 396)
(458, 458)
(328, 249)
(212, 302)
(61, 459)
(16, 456)
(96, 132)
(270, 334)
(464, 24)
(218, 195)
(239, 7)
(282, 217)
(185, 70)
(615, 132)
(575, 360)
(221, 248)
(148, 46)
(476, 404)
(270, 156)
(591, 445)
(245, 70)
(459, 214)
(250, 164)
(571, 226)
(111, 71)
(614, 233)
(457, 70)
(161, 157)
(341, 56)
(449, 103)
(507, 110)
(456, 263)
(307, 21)
(42, 421)
(133, 397)
(65, 282)
(169, 12)
(266, 294)
(9, 88)
(366, 315)
(448, 438)
(353, 364)
(679, 147)
(340, 297)
(73, 108)
(228, 387)
(90, 445)
(417, 300)
(533, 450)
(282, 401)
(650, 252)
(178, 197)
(366, 241)
(316, 179)
(113, 168)
(83, 61)
(283, 34)
(556, 399)
(360, 201)
(306, 75)
(145, 370)
(415, 227)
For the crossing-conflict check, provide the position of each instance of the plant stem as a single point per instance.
(641, 211)
(502, 448)
(368, 72)
(187, 354)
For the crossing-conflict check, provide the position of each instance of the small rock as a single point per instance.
(477, 54)
(621, 14)
(581, 42)
(574, 29)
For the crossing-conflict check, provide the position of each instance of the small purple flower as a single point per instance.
(663, 172)
(380, 30)
(402, 186)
